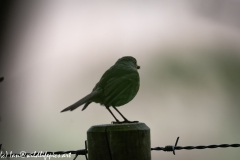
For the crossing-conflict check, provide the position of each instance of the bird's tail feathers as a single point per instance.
(87, 99)
(86, 105)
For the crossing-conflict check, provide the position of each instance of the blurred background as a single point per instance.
(54, 52)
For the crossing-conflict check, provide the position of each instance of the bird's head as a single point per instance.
(128, 61)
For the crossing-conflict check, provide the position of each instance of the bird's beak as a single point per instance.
(138, 67)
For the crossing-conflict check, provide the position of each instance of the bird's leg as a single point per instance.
(125, 119)
(117, 121)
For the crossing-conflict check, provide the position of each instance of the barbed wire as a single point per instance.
(168, 148)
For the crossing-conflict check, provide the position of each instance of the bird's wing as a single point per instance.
(87, 99)
(120, 90)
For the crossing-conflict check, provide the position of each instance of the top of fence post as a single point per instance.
(119, 142)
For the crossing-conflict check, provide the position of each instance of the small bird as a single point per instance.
(117, 86)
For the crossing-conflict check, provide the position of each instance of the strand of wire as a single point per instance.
(170, 148)
(196, 147)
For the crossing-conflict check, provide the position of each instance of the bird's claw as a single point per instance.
(125, 121)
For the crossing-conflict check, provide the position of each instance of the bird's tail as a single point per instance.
(87, 100)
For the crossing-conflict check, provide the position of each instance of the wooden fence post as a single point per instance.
(129, 141)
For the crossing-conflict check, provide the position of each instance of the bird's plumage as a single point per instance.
(117, 86)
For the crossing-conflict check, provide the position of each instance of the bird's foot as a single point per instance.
(125, 121)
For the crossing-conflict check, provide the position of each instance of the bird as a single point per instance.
(117, 86)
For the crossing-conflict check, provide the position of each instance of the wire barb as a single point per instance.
(86, 150)
(171, 148)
